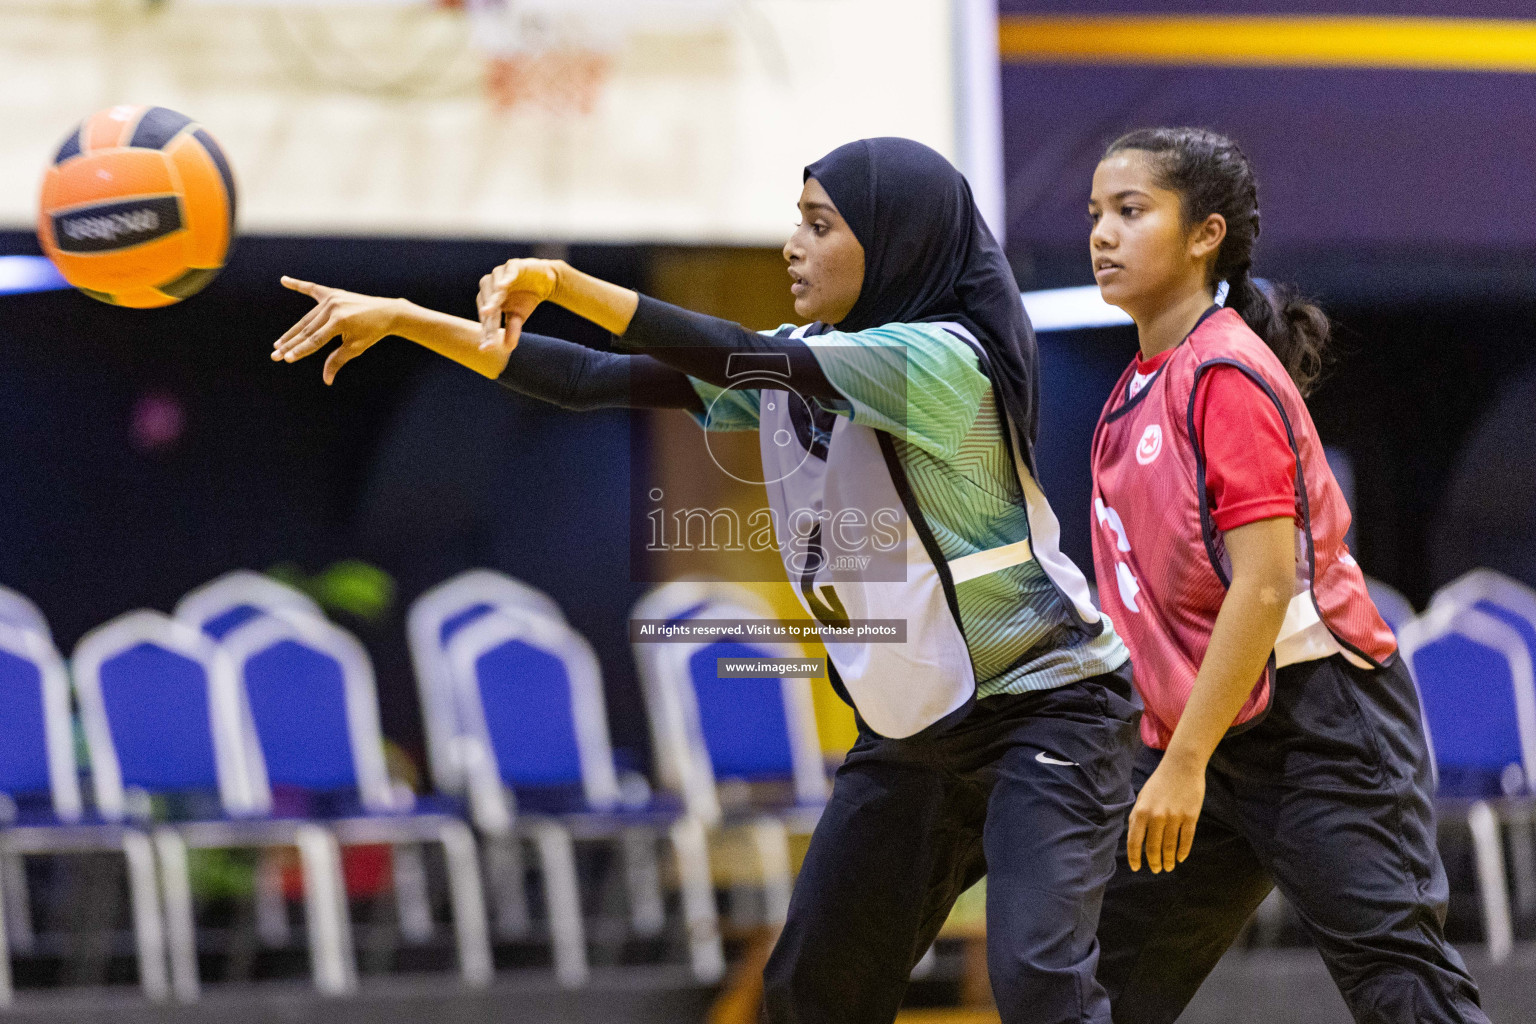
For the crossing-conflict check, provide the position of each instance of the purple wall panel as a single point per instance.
(1345, 157)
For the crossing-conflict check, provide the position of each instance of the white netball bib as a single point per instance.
(856, 548)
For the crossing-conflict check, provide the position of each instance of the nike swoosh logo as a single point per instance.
(1045, 758)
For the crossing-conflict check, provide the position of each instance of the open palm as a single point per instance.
(361, 320)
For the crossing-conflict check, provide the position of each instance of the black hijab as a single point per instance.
(928, 256)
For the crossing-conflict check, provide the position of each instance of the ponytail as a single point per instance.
(1296, 330)
(1212, 175)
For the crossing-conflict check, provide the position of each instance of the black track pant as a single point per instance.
(1329, 798)
(1031, 790)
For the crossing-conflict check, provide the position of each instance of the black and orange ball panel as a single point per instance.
(138, 208)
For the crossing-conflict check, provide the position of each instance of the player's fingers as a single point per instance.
(284, 343)
(1170, 846)
(502, 340)
(313, 339)
(1133, 839)
(499, 279)
(490, 328)
(344, 354)
(314, 291)
(322, 312)
(1186, 840)
(483, 300)
(1155, 827)
(505, 336)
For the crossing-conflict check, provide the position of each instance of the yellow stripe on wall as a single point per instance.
(1437, 44)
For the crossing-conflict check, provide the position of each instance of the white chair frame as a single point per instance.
(553, 836)
(18, 610)
(434, 681)
(1445, 618)
(665, 602)
(388, 820)
(201, 605)
(1388, 598)
(681, 753)
(70, 836)
(241, 587)
(240, 793)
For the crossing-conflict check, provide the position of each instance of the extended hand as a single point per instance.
(513, 289)
(1165, 815)
(361, 320)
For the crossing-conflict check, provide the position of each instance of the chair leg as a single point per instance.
(6, 994)
(148, 924)
(508, 881)
(690, 845)
(772, 841)
(1522, 862)
(411, 898)
(1488, 847)
(557, 861)
(271, 903)
(326, 912)
(176, 884)
(17, 908)
(642, 882)
(469, 921)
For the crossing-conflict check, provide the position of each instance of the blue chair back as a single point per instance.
(746, 730)
(161, 710)
(157, 705)
(36, 741)
(313, 705)
(1476, 687)
(705, 727)
(530, 692)
(299, 704)
(23, 729)
(435, 618)
(1506, 599)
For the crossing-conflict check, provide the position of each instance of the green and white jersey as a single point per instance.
(921, 385)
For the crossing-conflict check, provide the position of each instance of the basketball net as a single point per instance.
(551, 54)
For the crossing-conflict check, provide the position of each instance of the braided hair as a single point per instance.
(1211, 175)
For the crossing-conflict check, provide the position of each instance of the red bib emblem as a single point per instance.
(1151, 443)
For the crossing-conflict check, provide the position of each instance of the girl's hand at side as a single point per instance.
(1166, 811)
(361, 320)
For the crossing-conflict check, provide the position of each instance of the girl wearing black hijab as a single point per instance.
(897, 434)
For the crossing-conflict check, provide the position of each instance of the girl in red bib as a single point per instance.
(1282, 741)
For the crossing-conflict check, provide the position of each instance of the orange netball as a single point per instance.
(138, 208)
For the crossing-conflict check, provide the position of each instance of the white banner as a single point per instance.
(348, 119)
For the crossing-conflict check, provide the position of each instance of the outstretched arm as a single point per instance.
(549, 369)
(364, 320)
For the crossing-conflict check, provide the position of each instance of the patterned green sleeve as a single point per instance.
(916, 381)
(726, 409)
